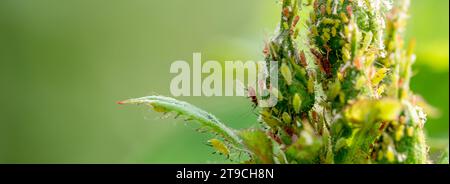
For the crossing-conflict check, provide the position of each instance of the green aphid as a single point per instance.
(329, 7)
(380, 89)
(313, 16)
(337, 23)
(285, 25)
(410, 131)
(310, 85)
(333, 31)
(326, 37)
(327, 21)
(342, 97)
(219, 146)
(334, 90)
(286, 72)
(379, 76)
(390, 154)
(286, 117)
(345, 54)
(296, 32)
(296, 103)
(400, 132)
(267, 118)
(344, 17)
(367, 40)
(275, 110)
(360, 82)
(314, 31)
(347, 32)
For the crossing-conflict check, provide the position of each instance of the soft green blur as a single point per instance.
(64, 64)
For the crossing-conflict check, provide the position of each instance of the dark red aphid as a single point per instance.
(252, 96)
(323, 62)
(326, 62)
(326, 66)
(275, 137)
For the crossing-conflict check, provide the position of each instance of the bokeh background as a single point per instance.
(64, 64)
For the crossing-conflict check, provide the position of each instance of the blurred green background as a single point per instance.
(64, 64)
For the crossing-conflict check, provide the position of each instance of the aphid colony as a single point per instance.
(351, 65)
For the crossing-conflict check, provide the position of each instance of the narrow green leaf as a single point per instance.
(166, 104)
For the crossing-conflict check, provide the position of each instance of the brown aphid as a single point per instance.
(344, 68)
(295, 21)
(303, 59)
(357, 63)
(383, 126)
(322, 9)
(266, 50)
(374, 155)
(316, 53)
(315, 116)
(316, 4)
(400, 82)
(349, 10)
(318, 58)
(286, 11)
